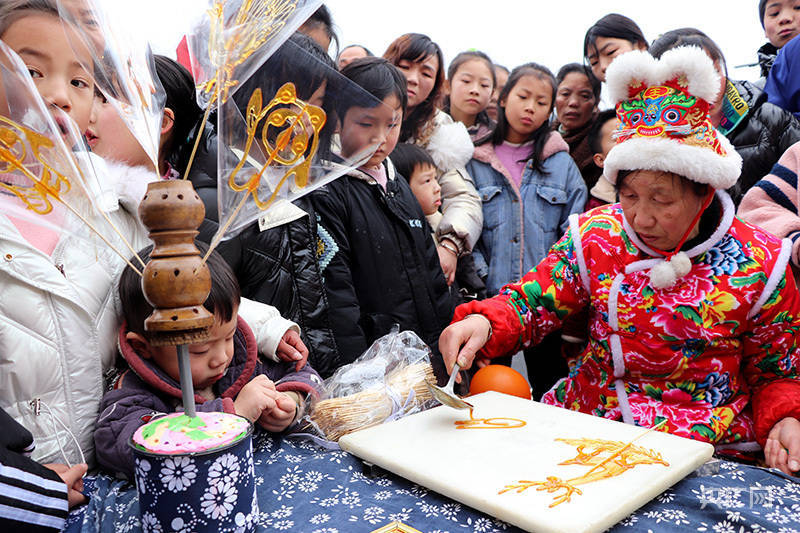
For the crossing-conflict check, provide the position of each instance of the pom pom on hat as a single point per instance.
(665, 273)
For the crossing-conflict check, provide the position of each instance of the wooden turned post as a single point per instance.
(175, 281)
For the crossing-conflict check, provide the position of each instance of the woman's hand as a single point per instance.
(462, 340)
(782, 450)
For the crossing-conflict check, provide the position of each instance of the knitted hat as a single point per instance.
(664, 124)
(662, 107)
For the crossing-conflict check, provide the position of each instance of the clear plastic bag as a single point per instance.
(385, 383)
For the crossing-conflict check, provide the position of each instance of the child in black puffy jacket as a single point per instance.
(380, 265)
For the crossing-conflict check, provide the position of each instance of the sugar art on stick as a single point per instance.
(232, 41)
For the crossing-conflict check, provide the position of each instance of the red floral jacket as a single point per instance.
(716, 354)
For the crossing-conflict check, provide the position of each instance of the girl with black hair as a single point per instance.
(421, 62)
(529, 185)
(469, 85)
(379, 262)
(181, 114)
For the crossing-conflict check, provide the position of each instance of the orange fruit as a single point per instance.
(500, 378)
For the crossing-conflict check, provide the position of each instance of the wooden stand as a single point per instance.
(175, 281)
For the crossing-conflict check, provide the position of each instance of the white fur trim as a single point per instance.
(665, 273)
(698, 68)
(97, 183)
(624, 404)
(613, 301)
(575, 229)
(636, 65)
(728, 211)
(616, 354)
(639, 66)
(662, 275)
(778, 271)
(681, 264)
(701, 165)
(130, 183)
(450, 146)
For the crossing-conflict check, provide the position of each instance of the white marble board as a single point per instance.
(472, 465)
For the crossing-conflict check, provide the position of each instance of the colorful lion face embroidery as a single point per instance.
(667, 111)
(657, 111)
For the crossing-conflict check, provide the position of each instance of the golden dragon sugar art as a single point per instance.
(607, 458)
(232, 42)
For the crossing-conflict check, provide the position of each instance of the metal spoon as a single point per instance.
(446, 396)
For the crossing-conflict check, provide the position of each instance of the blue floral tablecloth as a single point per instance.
(304, 488)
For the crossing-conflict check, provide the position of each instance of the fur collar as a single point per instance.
(450, 146)
(129, 184)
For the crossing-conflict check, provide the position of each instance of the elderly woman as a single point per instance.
(577, 96)
(694, 314)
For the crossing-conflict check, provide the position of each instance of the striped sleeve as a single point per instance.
(32, 498)
(772, 203)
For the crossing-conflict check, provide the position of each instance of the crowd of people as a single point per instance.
(640, 252)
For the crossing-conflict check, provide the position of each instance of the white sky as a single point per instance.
(515, 31)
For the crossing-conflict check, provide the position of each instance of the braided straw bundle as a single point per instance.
(339, 416)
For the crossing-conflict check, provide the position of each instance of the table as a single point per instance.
(304, 488)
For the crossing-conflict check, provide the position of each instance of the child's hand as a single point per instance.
(782, 449)
(448, 260)
(255, 397)
(279, 418)
(291, 348)
(73, 477)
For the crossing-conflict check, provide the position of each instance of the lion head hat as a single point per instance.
(664, 125)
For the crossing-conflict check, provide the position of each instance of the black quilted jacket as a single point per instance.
(277, 266)
(380, 264)
(761, 137)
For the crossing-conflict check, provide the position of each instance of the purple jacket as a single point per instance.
(144, 390)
